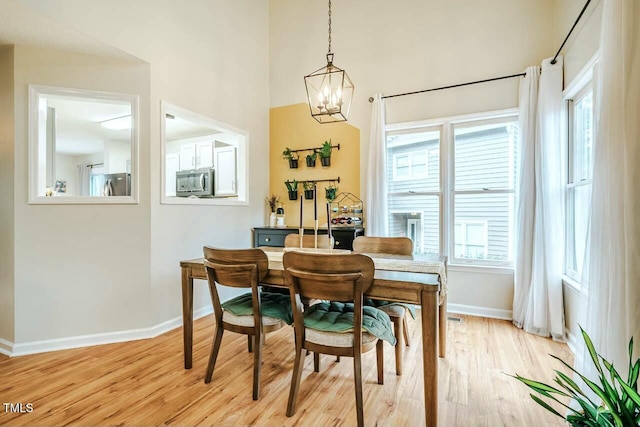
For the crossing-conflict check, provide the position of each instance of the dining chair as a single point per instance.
(397, 312)
(308, 241)
(335, 326)
(254, 313)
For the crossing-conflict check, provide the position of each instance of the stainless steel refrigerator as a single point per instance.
(117, 184)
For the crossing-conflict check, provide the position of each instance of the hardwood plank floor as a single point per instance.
(143, 383)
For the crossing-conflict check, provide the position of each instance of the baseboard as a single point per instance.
(22, 349)
(473, 310)
(6, 347)
(176, 322)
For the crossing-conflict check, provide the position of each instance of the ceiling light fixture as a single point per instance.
(118, 123)
(329, 90)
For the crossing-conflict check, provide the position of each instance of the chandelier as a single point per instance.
(329, 90)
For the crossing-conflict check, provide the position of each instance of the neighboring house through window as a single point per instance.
(412, 165)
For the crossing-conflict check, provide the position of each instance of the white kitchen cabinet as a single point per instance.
(196, 155)
(225, 170)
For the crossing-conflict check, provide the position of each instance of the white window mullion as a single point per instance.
(446, 185)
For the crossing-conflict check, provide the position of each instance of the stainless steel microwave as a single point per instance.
(197, 182)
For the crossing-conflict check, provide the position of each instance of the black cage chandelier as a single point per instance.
(329, 90)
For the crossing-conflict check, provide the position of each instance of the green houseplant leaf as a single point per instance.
(325, 150)
(291, 185)
(620, 405)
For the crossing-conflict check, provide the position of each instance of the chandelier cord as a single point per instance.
(329, 52)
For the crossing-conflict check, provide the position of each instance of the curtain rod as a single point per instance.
(553, 61)
(452, 86)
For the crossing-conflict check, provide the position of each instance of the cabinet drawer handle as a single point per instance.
(337, 243)
(267, 239)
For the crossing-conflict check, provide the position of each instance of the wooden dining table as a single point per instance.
(399, 284)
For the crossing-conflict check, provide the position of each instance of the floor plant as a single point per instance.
(618, 402)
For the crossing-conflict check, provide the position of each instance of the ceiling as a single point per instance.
(78, 129)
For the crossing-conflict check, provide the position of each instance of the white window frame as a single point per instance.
(575, 90)
(445, 193)
(573, 183)
(411, 154)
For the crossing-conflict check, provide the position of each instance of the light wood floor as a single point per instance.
(143, 383)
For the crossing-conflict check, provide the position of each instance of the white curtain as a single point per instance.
(376, 194)
(612, 266)
(528, 106)
(538, 304)
(84, 179)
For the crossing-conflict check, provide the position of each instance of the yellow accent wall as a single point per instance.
(292, 126)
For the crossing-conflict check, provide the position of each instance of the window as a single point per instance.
(484, 188)
(415, 204)
(411, 165)
(205, 162)
(83, 146)
(476, 155)
(578, 194)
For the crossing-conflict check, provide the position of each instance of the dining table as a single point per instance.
(413, 279)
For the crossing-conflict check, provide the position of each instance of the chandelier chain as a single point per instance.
(329, 27)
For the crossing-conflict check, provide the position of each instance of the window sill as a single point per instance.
(573, 285)
(485, 269)
(216, 201)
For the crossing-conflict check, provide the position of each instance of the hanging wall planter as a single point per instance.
(331, 191)
(325, 153)
(292, 188)
(292, 156)
(308, 190)
(311, 159)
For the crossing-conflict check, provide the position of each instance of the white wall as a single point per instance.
(116, 154)
(406, 45)
(194, 65)
(584, 41)
(7, 219)
(79, 270)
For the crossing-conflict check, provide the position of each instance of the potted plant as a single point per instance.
(311, 159)
(272, 201)
(292, 188)
(620, 399)
(331, 192)
(325, 153)
(292, 156)
(308, 189)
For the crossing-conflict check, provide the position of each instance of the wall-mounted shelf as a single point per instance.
(313, 149)
(315, 181)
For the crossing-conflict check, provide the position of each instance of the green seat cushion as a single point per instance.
(380, 303)
(338, 317)
(273, 305)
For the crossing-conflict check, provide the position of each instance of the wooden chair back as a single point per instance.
(328, 277)
(308, 241)
(236, 268)
(230, 261)
(383, 245)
